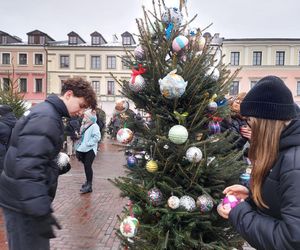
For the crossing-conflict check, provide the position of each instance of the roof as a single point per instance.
(38, 32)
(72, 33)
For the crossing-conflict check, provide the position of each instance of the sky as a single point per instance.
(230, 18)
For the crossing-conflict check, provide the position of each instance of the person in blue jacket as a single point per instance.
(29, 178)
(268, 216)
(87, 147)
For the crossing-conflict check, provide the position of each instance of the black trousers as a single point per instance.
(87, 159)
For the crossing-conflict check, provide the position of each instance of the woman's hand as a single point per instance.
(246, 132)
(239, 191)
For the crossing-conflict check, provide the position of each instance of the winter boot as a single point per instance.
(86, 189)
(83, 185)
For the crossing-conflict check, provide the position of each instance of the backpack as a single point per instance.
(100, 124)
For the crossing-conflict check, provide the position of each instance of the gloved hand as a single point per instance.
(45, 226)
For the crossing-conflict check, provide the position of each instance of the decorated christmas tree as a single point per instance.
(180, 161)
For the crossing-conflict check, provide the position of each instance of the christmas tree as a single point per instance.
(180, 161)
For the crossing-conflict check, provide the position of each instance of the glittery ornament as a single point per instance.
(137, 84)
(155, 196)
(172, 85)
(139, 53)
(213, 73)
(131, 161)
(128, 226)
(245, 179)
(62, 159)
(212, 106)
(172, 15)
(121, 106)
(124, 135)
(151, 166)
(173, 202)
(230, 201)
(205, 203)
(178, 134)
(187, 202)
(214, 127)
(194, 154)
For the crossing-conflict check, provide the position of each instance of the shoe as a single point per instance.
(83, 185)
(86, 189)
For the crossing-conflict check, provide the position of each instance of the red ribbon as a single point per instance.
(135, 72)
(215, 118)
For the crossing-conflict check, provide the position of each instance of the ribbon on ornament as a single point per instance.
(181, 117)
(215, 118)
(136, 72)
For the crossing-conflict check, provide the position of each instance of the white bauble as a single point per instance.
(187, 202)
(194, 154)
(137, 84)
(213, 73)
(128, 226)
(124, 135)
(212, 106)
(172, 15)
(173, 202)
(62, 159)
(178, 134)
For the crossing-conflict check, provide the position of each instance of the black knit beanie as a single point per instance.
(269, 99)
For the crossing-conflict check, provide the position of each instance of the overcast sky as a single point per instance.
(230, 18)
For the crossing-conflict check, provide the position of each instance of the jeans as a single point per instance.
(23, 233)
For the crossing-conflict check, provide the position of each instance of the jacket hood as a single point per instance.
(290, 136)
(9, 119)
(58, 105)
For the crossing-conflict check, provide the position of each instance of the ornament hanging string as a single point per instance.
(135, 72)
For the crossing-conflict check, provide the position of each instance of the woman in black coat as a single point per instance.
(7, 122)
(268, 216)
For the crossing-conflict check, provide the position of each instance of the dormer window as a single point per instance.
(31, 39)
(95, 40)
(4, 40)
(42, 40)
(126, 40)
(73, 40)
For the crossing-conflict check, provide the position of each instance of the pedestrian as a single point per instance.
(7, 122)
(71, 130)
(268, 216)
(86, 147)
(29, 178)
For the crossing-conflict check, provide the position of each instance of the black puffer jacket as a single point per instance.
(7, 122)
(279, 226)
(29, 178)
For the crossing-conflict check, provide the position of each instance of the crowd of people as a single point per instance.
(264, 121)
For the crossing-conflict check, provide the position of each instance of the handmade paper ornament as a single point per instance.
(178, 134)
(121, 106)
(172, 15)
(124, 135)
(173, 202)
(137, 82)
(193, 154)
(131, 161)
(155, 196)
(128, 226)
(172, 85)
(187, 202)
(245, 179)
(179, 43)
(214, 127)
(181, 117)
(139, 53)
(205, 203)
(151, 166)
(213, 73)
(230, 201)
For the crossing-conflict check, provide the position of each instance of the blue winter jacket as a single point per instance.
(89, 139)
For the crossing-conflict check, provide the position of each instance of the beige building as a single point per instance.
(259, 57)
(94, 61)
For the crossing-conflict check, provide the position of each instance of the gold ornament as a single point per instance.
(151, 166)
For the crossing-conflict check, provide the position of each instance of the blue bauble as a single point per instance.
(245, 179)
(131, 161)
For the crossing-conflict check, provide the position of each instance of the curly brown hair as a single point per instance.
(80, 88)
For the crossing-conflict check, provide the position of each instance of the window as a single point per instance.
(31, 39)
(298, 88)
(95, 40)
(73, 40)
(4, 40)
(110, 87)
(111, 62)
(95, 62)
(235, 58)
(5, 58)
(280, 58)
(22, 59)
(38, 59)
(252, 84)
(42, 40)
(38, 85)
(23, 85)
(96, 86)
(125, 62)
(257, 56)
(6, 84)
(64, 61)
(234, 88)
(126, 40)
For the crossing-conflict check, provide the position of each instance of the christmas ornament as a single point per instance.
(152, 166)
(137, 82)
(173, 202)
(245, 179)
(155, 196)
(213, 73)
(193, 31)
(121, 106)
(128, 226)
(172, 85)
(198, 42)
(124, 135)
(179, 43)
(181, 117)
(187, 202)
(178, 134)
(168, 30)
(214, 127)
(230, 201)
(194, 154)
(205, 203)
(139, 53)
(172, 15)
(62, 159)
(131, 161)
(212, 106)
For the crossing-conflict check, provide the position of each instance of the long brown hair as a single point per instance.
(263, 152)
